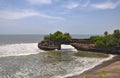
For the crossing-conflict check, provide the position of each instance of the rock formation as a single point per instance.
(54, 41)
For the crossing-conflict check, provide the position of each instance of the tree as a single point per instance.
(57, 33)
(116, 36)
(108, 40)
(58, 37)
(100, 43)
(105, 33)
(95, 38)
(46, 37)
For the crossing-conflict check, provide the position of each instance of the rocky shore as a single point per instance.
(93, 48)
(48, 45)
(108, 43)
(79, 44)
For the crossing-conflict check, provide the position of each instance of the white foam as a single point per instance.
(79, 70)
(67, 47)
(19, 49)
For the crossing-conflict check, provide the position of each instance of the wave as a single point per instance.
(45, 65)
(19, 49)
(80, 70)
(26, 49)
(68, 47)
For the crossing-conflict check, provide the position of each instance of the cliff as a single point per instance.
(48, 45)
(108, 43)
(93, 48)
(54, 41)
(80, 44)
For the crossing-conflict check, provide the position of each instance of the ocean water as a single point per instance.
(21, 58)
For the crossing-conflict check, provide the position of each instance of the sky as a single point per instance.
(48, 16)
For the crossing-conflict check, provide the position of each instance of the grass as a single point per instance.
(101, 75)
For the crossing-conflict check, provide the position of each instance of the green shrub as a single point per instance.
(108, 40)
(96, 38)
(59, 37)
(102, 73)
(100, 43)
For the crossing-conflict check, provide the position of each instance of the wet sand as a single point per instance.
(111, 69)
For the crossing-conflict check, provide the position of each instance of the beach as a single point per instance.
(111, 69)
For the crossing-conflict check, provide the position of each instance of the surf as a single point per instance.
(67, 47)
(19, 49)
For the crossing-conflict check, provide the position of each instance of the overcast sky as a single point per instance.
(45, 16)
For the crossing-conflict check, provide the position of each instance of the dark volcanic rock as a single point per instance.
(47, 45)
(93, 48)
(83, 41)
(79, 44)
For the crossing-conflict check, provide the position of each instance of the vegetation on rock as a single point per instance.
(54, 41)
(58, 37)
(108, 40)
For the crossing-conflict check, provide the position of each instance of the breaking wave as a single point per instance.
(26, 49)
(80, 70)
(67, 47)
(19, 49)
(44, 65)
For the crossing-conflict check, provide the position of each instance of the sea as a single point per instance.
(20, 57)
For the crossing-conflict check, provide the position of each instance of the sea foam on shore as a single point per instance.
(86, 68)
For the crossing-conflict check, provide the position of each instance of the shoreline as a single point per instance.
(92, 72)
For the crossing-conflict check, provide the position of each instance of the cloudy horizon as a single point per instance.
(45, 16)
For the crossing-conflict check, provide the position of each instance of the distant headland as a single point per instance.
(108, 43)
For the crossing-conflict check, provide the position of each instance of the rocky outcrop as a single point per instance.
(83, 41)
(51, 45)
(48, 45)
(54, 41)
(79, 44)
(93, 48)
